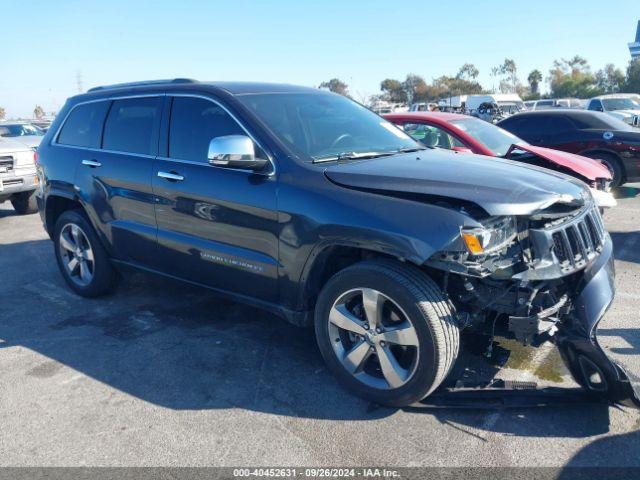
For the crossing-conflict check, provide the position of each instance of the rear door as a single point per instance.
(216, 226)
(114, 181)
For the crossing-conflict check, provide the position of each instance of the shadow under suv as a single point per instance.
(307, 204)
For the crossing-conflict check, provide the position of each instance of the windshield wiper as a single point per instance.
(411, 149)
(353, 156)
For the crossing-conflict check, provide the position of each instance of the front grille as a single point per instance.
(12, 183)
(6, 164)
(579, 241)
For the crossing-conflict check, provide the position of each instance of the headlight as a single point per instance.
(495, 234)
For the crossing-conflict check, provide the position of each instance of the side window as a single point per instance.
(83, 127)
(132, 124)
(194, 123)
(558, 125)
(595, 105)
(430, 136)
(521, 127)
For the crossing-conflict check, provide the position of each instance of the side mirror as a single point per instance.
(235, 151)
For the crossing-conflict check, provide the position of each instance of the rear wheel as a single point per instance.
(82, 259)
(24, 203)
(613, 164)
(386, 331)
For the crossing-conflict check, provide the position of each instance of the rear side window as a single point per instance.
(84, 125)
(132, 124)
(194, 123)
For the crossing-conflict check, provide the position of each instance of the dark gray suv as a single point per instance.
(306, 204)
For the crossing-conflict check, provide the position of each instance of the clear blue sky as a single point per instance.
(45, 43)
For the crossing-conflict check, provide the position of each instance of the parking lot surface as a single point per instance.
(163, 374)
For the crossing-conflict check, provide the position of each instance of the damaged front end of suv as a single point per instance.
(549, 274)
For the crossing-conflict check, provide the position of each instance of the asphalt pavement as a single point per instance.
(164, 374)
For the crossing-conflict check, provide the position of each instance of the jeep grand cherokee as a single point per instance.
(305, 203)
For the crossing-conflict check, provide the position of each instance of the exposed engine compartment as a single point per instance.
(531, 281)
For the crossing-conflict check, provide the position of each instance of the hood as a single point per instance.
(623, 113)
(583, 166)
(10, 145)
(500, 187)
(29, 141)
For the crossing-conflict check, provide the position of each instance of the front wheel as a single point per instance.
(386, 332)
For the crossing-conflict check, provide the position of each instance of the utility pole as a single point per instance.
(79, 81)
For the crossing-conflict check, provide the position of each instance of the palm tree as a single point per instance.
(534, 79)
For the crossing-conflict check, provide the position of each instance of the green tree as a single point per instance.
(38, 112)
(415, 88)
(508, 72)
(3, 113)
(336, 85)
(610, 79)
(468, 71)
(534, 79)
(632, 82)
(572, 78)
(393, 91)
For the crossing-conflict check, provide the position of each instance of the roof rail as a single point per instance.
(142, 84)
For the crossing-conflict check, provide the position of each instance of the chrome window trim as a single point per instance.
(103, 150)
(54, 142)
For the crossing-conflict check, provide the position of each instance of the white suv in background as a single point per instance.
(623, 106)
(18, 175)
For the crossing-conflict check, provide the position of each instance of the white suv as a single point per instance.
(18, 176)
(623, 106)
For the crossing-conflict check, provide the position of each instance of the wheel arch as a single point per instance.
(329, 258)
(56, 204)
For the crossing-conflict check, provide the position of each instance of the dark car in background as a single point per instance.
(305, 203)
(590, 134)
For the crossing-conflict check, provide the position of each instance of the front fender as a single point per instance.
(405, 229)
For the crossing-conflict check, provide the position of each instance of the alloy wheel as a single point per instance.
(373, 338)
(77, 254)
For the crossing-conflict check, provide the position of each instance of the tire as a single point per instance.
(408, 295)
(24, 203)
(613, 164)
(71, 230)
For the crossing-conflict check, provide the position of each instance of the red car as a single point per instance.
(463, 133)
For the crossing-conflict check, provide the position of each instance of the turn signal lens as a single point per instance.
(473, 243)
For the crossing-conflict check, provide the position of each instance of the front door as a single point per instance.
(216, 226)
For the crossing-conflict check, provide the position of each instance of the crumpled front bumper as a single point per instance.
(577, 336)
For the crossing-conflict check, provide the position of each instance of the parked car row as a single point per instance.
(311, 206)
(466, 134)
(583, 132)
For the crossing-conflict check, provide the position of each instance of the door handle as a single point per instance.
(91, 163)
(173, 177)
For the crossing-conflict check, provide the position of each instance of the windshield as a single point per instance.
(611, 104)
(494, 138)
(19, 130)
(512, 107)
(322, 126)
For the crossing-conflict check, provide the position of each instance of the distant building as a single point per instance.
(634, 48)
